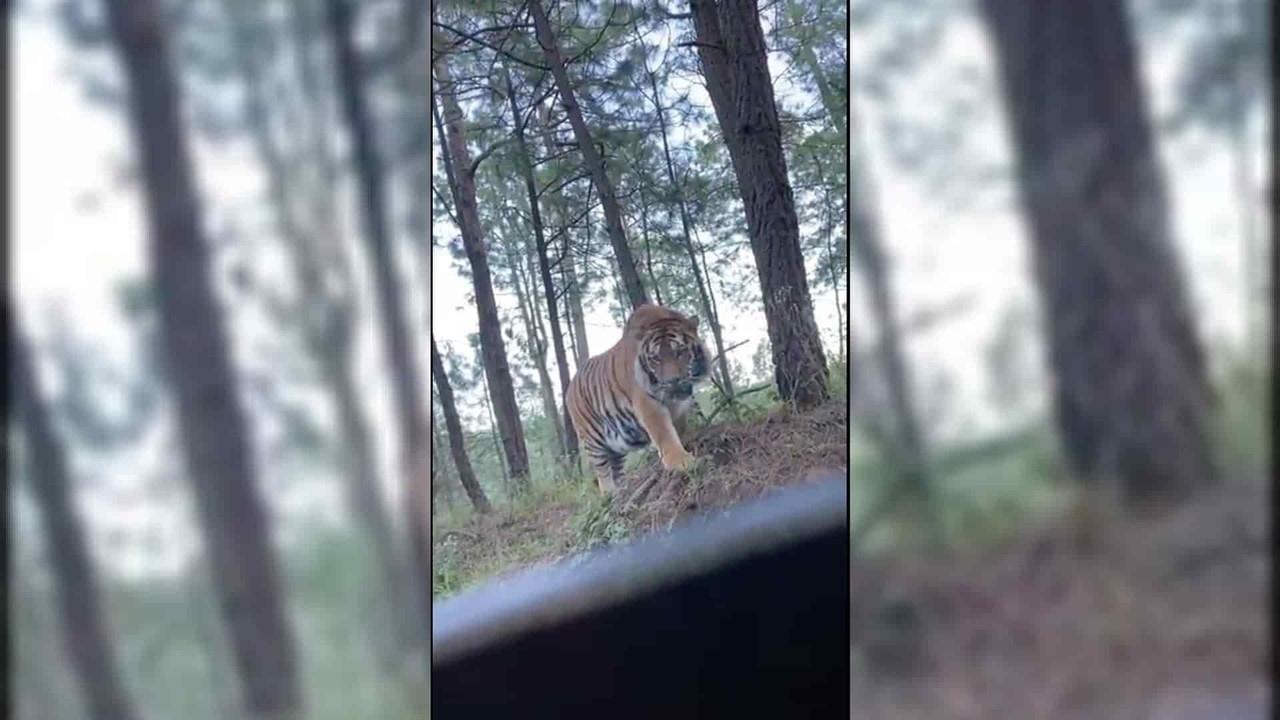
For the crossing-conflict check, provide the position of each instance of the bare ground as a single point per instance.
(1092, 616)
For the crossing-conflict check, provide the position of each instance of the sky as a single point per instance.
(77, 233)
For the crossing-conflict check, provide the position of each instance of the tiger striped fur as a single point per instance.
(638, 391)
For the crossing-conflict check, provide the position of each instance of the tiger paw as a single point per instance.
(680, 460)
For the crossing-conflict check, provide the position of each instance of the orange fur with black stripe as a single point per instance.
(638, 391)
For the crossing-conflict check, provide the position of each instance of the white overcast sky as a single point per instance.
(75, 234)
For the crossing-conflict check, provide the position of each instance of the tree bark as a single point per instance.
(497, 372)
(595, 163)
(1131, 391)
(85, 632)
(525, 162)
(453, 428)
(219, 456)
(732, 52)
(406, 381)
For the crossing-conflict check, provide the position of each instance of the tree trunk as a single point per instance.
(445, 477)
(686, 223)
(1131, 390)
(525, 162)
(830, 98)
(595, 163)
(568, 263)
(867, 246)
(831, 257)
(497, 373)
(406, 382)
(325, 319)
(537, 349)
(219, 456)
(453, 427)
(85, 632)
(553, 309)
(648, 250)
(732, 51)
(494, 438)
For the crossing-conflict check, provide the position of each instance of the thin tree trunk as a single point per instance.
(831, 253)
(325, 322)
(732, 52)
(568, 263)
(461, 174)
(85, 632)
(1131, 390)
(686, 223)
(525, 162)
(867, 247)
(442, 467)
(830, 98)
(537, 350)
(494, 438)
(219, 456)
(406, 382)
(453, 427)
(648, 251)
(595, 163)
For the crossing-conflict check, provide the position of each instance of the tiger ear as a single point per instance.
(693, 322)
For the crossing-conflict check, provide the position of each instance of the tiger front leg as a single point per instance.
(657, 422)
(608, 468)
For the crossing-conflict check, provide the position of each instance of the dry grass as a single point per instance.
(739, 461)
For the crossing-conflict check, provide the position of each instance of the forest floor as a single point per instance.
(1087, 616)
(740, 459)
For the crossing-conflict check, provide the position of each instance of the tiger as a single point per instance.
(638, 391)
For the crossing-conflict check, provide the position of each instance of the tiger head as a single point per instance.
(670, 355)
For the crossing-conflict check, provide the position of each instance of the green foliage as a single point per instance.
(983, 491)
(1240, 427)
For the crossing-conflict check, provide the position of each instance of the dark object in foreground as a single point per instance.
(745, 613)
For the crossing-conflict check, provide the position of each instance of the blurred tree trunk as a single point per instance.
(686, 223)
(461, 175)
(84, 625)
(591, 155)
(1131, 389)
(732, 52)
(325, 317)
(457, 442)
(406, 382)
(219, 456)
(908, 446)
(526, 169)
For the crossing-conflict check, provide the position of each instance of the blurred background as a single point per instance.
(992, 574)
